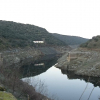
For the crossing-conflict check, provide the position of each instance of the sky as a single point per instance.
(67, 17)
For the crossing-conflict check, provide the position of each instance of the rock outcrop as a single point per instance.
(85, 62)
(15, 56)
(22, 56)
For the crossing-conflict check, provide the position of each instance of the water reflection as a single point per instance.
(40, 64)
(37, 67)
(63, 84)
(71, 75)
(68, 86)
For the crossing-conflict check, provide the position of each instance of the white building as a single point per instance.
(38, 42)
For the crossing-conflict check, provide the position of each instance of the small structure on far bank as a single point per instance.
(38, 43)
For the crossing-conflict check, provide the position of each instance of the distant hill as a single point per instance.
(70, 40)
(14, 35)
(92, 43)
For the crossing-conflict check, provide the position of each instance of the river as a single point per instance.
(59, 84)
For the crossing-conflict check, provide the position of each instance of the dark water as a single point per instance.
(62, 84)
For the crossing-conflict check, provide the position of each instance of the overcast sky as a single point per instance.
(68, 17)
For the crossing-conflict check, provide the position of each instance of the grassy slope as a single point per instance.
(6, 96)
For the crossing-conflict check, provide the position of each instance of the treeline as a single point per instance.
(92, 43)
(21, 35)
(70, 40)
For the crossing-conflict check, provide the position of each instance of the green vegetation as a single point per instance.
(70, 40)
(14, 35)
(92, 43)
(6, 96)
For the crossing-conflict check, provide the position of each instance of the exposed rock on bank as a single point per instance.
(82, 62)
(22, 56)
(15, 56)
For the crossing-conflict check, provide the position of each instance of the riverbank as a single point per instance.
(10, 80)
(10, 62)
(81, 62)
(12, 88)
(18, 55)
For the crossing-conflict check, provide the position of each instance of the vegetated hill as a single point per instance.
(92, 43)
(70, 40)
(14, 35)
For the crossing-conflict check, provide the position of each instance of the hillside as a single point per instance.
(92, 43)
(14, 35)
(70, 40)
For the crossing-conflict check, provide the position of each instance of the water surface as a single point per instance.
(65, 86)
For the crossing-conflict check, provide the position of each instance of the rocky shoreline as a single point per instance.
(28, 54)
(15, 56)
(82, 62)
(10, 61)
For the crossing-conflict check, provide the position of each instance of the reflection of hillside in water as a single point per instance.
(47, 57)
(37, 67)
(71, 75)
